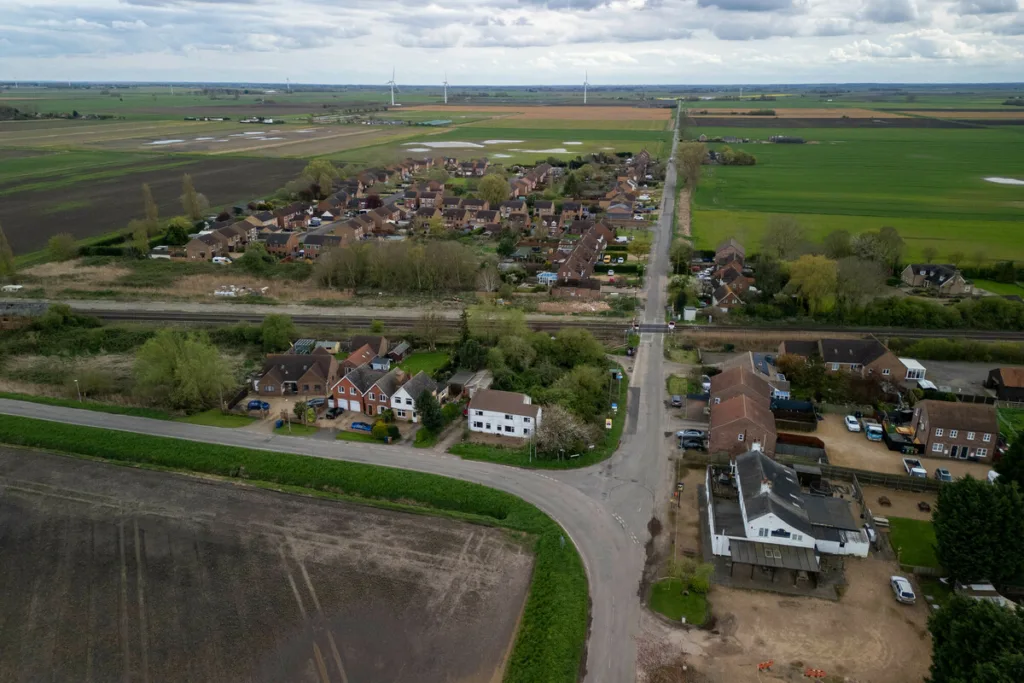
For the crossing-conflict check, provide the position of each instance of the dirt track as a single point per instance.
(580, 113)
(113, 573)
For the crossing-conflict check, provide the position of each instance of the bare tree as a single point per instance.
(784, 239)
(857, 281)
(929, 253)
(193, 203)
(429, 327)
(488, 279)
(956, 258)
(151, 210)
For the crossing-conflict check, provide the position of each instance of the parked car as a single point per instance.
(692, 434)
(316, 402)
(610, 272)
(902, 589)
(692, 444)
(333, 413)
(257, 404)
(677, 401)
(852, 424)
(362, 426)
(221, 260)
(942, 474)
(620, 260)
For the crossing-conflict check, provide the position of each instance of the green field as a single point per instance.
(568, 124)
(914, 541)
(1001, 288)
(927, 183)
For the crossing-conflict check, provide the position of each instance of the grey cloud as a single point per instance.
(834, 27)
(889, 11)
(749, 5)
(180, 3)
(751, 30)
(986, 6)
(1012, 28)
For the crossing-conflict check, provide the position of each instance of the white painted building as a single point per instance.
(774, 512)
(503, 412)
(403, 401)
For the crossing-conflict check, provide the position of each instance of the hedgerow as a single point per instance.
(553, 630)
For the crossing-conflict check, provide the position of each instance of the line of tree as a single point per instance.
(405, 266)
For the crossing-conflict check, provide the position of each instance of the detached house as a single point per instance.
(728, 249)
(504, 413)
(956, 430)
(303, 374)
(741, 423)
(862, 357)
(944, 279)
(725, 298)
(403, 401)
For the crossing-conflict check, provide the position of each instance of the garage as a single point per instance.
(354, 406)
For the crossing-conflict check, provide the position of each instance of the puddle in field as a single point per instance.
(418, 149)
(502, 142)
(445, 145)
(554, 150)
(164, 142)
(502, 156)
(1005, 181)
(572, 143)
(202, 139)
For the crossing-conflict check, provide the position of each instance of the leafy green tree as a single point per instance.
(277, 332)
(1011, 466)
(680, 254)
(182, 370)
(430, 411)
(857, 281)
(178, 229)
(979, 531)
(256, 260)
(506, 245)
(322, 173)
(7, 267)
(572, 187)
(679, 303)
(976, 641)
(192, 203)
(380, 430)
(583, 391)
(494, 189)
(300, 409)
(61, 247)
(813, 278)
(690, 158)
(376, 326)
(470, 355)
(771, 275)
(139, 238)
(150, 209)
(837, 244)
(438, 174)
(577, 346)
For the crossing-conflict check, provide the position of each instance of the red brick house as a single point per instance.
(728, 249)
(349, 392)
(302, 374)
(956, 430)
(281, 244)
(740, 424)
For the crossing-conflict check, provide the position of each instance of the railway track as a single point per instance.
(601, 328)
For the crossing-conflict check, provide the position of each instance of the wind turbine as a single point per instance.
(446, 87)
(586, 82)
(394, 86)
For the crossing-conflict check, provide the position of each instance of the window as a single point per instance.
(316, 387)
(739, 437)
(526, 420)
(762, 532)
(798, 537)
(835, 367)
(408, 401)
(488, 425)
(508, 417)
(478, 425)
(986, 437)
(401, 413)
(885, 371)
(937, 447)
(352, 391)
(717, 401)
(780, 533)
(970, 436)
(526, 431)
(953, 433)
(479, 413)
(981, 452)
(938, 431)
(305, 388)
(508, 429)
(380, 409)
(856, 366)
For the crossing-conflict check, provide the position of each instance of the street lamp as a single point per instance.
(79, 390)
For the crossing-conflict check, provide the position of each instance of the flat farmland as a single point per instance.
(115, 573)
(929, 184)
(65, 134)
(797, 113)
(570, 124)
(89, 195)
(581, 113)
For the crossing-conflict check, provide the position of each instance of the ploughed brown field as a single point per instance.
(113, 573)
(797, 113)
(579, 113)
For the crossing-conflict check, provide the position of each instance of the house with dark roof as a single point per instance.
(504, 413)
(315, 245)
(281, 244)
(475, 205)
(544, 208)
(378, 397)
(403, 401)
(1008, 383)
(205, 246)
(725, 298)
(306, 375)
(967, 431)
(771, 523)
(351, 390)
(861, 357)
(512, 206)
(482, 218)
(379, 344)
(942, 278)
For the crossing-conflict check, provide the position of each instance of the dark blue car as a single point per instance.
(362, 426)
(256, 404)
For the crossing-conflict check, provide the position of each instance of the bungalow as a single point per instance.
(307, 375)
(403, 401)
(505, 413)
(864, 357)
(944, 279)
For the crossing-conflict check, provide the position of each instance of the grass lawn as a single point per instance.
(667, 599)
(425, 438)
(939, 592)
(363, 437)
(677, 385)
(297, 430)
(520, 457)
(999, 287)
(151, 413)
(428, 362)
(914, 541)
(1011, 422)
(215, 418)
(688, 356)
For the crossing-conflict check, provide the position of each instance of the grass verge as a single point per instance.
(1011, 422)
(216, 418)
(520, 457)
(296, 430)
(914, 541)
(424, 438)
(362, 437)
(134, 411)
(553, 630)
(667, 598)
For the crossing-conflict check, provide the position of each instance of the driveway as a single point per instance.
(959, 376)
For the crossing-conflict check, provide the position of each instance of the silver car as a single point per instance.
(902, 589)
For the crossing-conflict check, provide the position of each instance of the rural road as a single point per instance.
(604, 508)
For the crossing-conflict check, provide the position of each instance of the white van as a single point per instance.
(222, 260)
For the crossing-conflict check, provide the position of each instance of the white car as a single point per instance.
(852, 424)
(902, 589)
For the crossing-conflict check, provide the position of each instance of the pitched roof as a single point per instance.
(731, 243)
(290, 367)
(418, 384)
(800, 347)
(770, 488)
(503, 402)
(543, 204)
(723, 292)
(738, 376)
(935, 273)
(390, 382)
(377, 342)
(275, 239)
(856, 351)
(364, 377)
(361, 356)
(972, 417)
(742, 407)
(1012, 377)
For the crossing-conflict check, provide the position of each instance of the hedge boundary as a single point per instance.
(552, 635)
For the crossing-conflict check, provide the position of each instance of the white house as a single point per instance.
(403, 401)
(774, 515)
(503, 412)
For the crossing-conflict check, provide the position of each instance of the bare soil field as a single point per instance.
(575, 113)
(101, 206)
(902, 503)
(115, 573)
(801, 113)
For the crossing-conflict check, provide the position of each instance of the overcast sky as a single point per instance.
(514, 41)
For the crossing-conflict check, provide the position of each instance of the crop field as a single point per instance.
(796, 113)
(89, 194)
(116, 573)
(581, 113)
(930, 184)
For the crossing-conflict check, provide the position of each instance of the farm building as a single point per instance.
(1008, 383)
